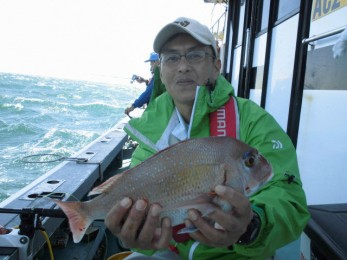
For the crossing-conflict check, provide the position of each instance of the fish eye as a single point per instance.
(249, 159)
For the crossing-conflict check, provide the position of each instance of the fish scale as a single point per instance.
(180, 177)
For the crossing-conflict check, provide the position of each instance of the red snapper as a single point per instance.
(179, 178)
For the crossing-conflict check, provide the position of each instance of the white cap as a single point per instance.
(185, 25)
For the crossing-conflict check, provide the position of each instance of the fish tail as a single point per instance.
(79, 220)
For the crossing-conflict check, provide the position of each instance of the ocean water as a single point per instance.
(47, 115)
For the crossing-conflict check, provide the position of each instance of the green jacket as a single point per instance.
(280, 204)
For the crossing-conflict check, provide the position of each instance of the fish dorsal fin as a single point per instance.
(104, 186)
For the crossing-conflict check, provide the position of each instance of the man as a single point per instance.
(257, 226)
(144, 98)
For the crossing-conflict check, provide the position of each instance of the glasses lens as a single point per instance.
(171, 58)
(195, 56)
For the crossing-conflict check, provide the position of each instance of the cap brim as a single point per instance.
(170, 30)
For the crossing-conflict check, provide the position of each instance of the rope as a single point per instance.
(58, 157)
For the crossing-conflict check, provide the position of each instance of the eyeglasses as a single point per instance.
(192, 57)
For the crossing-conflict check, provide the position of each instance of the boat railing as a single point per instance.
(70, 180)
(218, 27)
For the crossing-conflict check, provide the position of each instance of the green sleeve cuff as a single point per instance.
(261, 215)
(242, 249)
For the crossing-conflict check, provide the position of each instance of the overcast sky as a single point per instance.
(88, 39)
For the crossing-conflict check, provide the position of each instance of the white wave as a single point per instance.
(98, 103)
(83, 133)
(17, 106)
(23, 99)
(50, 133)
(77, 97)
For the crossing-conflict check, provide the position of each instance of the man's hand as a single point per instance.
(229, 226)
(137, 227)
(128, 110)
(141, 80)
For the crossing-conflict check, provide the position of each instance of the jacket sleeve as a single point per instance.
(140, 154)
(158, 86)
(145, 96)
(281, 204)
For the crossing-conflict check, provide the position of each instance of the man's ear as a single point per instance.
(217, 66)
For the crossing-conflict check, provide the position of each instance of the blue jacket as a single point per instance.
(145, 96)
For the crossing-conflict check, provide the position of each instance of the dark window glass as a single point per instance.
(241, 22)
(285, 7)
(265, 14)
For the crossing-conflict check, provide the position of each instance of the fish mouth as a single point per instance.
(250, 190)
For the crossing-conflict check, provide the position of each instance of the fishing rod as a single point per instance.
(132, 78)
(30, 218)
(55, 213)
(30, 222)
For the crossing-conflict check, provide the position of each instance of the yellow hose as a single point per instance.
(44, 233)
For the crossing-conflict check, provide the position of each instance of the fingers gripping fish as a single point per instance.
(179, 178)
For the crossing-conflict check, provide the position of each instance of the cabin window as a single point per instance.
(287, 7)
(263, 10)
(241, 23)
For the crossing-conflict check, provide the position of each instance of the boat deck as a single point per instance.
(70, 180)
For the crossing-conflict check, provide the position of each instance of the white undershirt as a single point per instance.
(180, 131)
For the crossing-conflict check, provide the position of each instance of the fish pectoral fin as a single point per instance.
(192, 229)
(187, 230)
